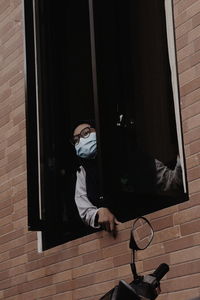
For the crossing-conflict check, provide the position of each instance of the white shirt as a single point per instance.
(167, 179)
(86, 209)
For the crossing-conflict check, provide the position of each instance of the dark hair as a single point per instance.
(77, 123)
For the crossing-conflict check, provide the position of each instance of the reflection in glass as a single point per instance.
(142, 233)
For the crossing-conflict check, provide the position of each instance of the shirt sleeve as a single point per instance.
(167, 179)
(86, 209)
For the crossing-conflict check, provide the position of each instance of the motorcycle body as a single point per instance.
(142, 287)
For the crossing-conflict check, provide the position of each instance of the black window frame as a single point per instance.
(33, 89)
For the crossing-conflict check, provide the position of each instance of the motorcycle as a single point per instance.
(142, 287)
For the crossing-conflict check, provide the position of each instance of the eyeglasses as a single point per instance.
(85, 132)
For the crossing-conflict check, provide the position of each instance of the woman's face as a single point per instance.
(84, 140)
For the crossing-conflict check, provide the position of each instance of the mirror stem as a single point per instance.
(134, 272)
(133, 266)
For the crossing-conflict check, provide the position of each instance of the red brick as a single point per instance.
(166, 234)
(183, 5)
(32, 246)
(10, 292)
(151, 251)
(190, 227)
(195, 147)
(10, 71)
(194, 201)
(4, 29)
(183, 295)
(17, 270)
(185, 52)
(115, 250)
(193, 34)
(196, 20)
(62, 276)
(184, 255)
(89, 246)
(194, 186)
(122, 259)
(178, 244)
(187, 215)
(5, 110)
(18, 100)
(190, 87)
(180, 19)
(83, 281)
(93, 290)
(5, 199)
(93, 267)
(192, 135)
(194, 173)
(12, 235)
(19, 196)
(151, 264)
(19, 76)
(182, 42)
(18, 260)
(93, 298)
(46, 291)
(181, 283)
(3, 5)
(192, 161)
(32, 295)
(193, 9)
(197, 44)
(184, 269)
(191, 98)
(4, 284)
(4, 120)
(6, 229)
(122, 236)
(14, 164)
(11, 45)
(4, 275)
(125, 270)
(21, 223)
(184, 28)
(20, 205)
(14, 155)
(162, 223)
(189, 62)
(64, 296)
(64, 265)
(14, 138)
(19, 279)
(92, 257)
(37, 283)
(16, 252)
(107, 275)
(64, 286)
(193, 122)
(69, 253)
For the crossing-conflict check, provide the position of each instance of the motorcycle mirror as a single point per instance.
(141, 234)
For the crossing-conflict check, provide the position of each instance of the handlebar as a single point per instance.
(160, 272)
(143, 287)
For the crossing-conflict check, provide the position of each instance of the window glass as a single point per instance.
(142, 171)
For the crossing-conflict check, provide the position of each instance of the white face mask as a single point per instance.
(87, 147)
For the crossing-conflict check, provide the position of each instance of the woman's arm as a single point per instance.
(86, 209)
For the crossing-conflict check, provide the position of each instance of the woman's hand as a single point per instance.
(107, 220)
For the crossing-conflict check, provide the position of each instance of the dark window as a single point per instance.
(102, 60)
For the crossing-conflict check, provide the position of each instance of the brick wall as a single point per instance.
(87, 267)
